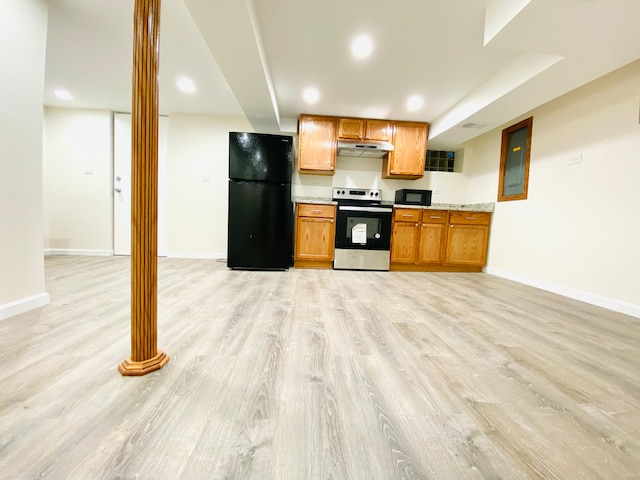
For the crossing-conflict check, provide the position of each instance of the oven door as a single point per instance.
(363, 227)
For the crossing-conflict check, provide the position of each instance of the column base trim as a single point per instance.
(129, 368)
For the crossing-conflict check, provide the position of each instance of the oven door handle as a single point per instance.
(365, 209)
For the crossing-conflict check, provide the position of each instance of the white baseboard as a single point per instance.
(208, 255)
(77, 251)
(23, 305)
(604, 302)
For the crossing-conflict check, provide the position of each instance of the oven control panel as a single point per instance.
(364, 194)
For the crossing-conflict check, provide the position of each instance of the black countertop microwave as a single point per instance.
(407, 196)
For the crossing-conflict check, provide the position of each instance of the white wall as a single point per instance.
(577, 233)
(23, 31)
(78, 194)
(198, 171)
(77, 166)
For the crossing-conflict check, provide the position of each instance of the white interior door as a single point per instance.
(122, 184)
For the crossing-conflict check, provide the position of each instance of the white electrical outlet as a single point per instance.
(88, 171)
(206, 179)
(437, 192)
(575, 159)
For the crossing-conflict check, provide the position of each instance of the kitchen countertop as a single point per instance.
(461, 207)
(316, 200)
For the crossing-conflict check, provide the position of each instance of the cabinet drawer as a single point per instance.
(407, 215)
(469, 218)
(435, 216)
(314, 210)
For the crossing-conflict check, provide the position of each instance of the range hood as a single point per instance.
(365, 148)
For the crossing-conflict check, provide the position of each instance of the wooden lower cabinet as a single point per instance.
(405, 235)
(433, 237)
(315, 235)
(404, 242)
(468, 238)
(439, 240)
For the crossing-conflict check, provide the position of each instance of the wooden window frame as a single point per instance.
(506, 134)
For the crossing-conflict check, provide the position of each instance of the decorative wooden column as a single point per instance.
(145, 356)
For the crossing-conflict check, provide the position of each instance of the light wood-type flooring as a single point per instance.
(318, 374)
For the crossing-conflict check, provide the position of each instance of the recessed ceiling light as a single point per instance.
(186, 85)
(311, 95)
(415, 103)
(362, 46)
(63, 94)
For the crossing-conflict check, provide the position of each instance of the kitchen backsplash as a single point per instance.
(366, 173)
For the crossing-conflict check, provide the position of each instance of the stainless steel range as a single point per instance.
(363, 229)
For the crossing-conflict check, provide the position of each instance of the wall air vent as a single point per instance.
(477, 125)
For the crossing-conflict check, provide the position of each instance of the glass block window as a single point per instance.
(439, 161)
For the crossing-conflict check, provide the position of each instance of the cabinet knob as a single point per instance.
(330, 168)
(416, 224)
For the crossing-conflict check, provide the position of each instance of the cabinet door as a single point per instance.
(315, 238)
(404, 242)
(432, 243)
(351, 128)
(317, 145)
(380, 130)
(467, 245)
(410, 150)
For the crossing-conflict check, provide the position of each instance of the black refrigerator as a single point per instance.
(260, 221)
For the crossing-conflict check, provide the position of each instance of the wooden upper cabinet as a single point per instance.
(317, 137)
(381, 130)
(351, 128)
(364, 129)
(410, 151)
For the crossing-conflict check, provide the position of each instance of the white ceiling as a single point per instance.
(483, 62)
